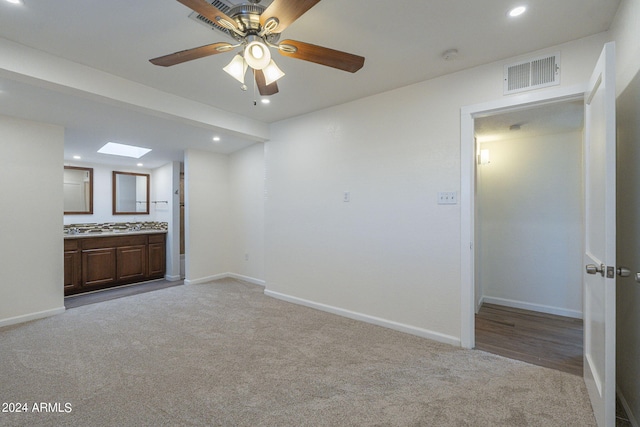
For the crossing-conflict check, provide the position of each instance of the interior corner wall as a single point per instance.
(626, 33)
(31, 246)
(530, 222)
(391, 254)
(207, 235)
(246, 203)
(165, 192)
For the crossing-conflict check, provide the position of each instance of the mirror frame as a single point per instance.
(90, 211)
(114, 195)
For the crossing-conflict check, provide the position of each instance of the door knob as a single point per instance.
(593, 269)
(638, 277)
(624, 272)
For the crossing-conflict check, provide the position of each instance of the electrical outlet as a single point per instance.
(448, 198)
(347, 196)
(246, 257)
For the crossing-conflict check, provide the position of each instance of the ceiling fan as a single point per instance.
(256, 29)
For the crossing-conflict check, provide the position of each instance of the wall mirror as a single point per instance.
(130, 193)
(78, 190)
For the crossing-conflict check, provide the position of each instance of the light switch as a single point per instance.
(448, 198)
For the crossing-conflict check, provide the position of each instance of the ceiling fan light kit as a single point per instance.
(237, 68)
(257, 54)
(257, 29)
(272, 73)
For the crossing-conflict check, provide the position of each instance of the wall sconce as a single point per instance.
(484, 157)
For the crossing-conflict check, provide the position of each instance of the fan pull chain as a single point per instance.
(255, 85)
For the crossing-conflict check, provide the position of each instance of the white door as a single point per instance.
(600, 239)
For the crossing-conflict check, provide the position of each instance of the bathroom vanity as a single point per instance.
(95, 261)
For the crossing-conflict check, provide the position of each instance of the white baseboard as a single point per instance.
(479, 304)
(627, 409)
(206, 279)
(253, 280)
(172, 278)
(227, 275)
(559, 311)
(424, 333)
(31, 316)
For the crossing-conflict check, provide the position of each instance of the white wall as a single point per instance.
(246, 203)
(627, 34)
(530, 221)
(165, 187)
(30, 220)
(392, 254)
(207, 222)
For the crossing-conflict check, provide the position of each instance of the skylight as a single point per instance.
(123, 150)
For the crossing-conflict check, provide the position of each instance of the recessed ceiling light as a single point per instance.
(140, 164)
(14, 1)
(123, 150)
(216, 138)
(266, 101)
(517, 11)
(77, 157)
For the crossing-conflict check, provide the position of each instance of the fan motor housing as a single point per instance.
(247, 15)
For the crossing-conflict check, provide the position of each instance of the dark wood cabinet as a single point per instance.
(72, 266)
(92, 263)
(132, 262)
(98, 267)
(157, 257)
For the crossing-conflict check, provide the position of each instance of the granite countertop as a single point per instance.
(111, 233)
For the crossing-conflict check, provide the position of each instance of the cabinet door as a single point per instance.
(156, 259)
(132, 262)
(98, 266)
(72, 271)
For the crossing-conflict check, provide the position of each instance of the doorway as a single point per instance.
(504, 108)
(528, 244)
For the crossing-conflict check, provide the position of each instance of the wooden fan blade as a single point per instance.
(190, 54)
(324, 56)
(209, 11)
(286, 11)
(263, 88)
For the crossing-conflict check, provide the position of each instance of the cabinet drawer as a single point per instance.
(113, 241)
(156, 238)
(70, 244)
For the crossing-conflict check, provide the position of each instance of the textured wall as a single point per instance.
(31, 245)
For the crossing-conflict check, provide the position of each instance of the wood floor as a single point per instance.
(537, 338)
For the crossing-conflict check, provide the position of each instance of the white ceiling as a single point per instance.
(559, 117)
(402, 41)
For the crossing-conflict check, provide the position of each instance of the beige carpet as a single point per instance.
(224, 354)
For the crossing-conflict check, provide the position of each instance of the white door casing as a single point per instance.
(468, 176)
(599, 290)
